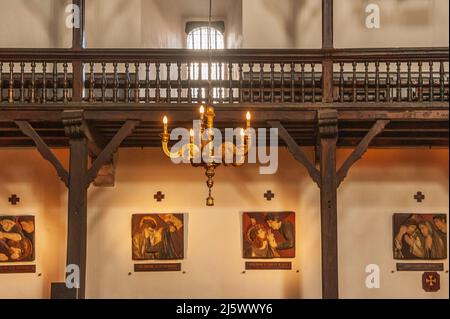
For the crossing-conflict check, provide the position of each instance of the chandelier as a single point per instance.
(203, 151)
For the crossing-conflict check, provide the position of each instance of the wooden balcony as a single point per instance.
(409, 86)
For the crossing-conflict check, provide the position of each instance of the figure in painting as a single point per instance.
(434, 246)
(285, 228)
(269, 235)
(263, 244)
(158, 236)
(16, 239)
(440, 221)
(418, 237)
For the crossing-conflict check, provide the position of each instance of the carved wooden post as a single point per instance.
(328, 202)
(77, 208)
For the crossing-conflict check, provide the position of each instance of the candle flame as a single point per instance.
(191, 132)
(248, 116)
(202, 109)
(165, 119)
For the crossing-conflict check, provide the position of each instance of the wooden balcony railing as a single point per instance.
(233, 76)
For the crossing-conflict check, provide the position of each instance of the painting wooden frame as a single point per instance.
(17, 238)
(268, 235)
(157, 236)
(419, 236)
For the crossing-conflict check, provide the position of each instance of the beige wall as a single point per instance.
(249, 23)
(34, 24)
(379, 185)
(403, 23)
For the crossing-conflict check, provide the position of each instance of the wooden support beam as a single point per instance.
(328, 202)
(77, 206)
(359, 151)
(296, 151)
(78, 43)
(78, 33)
(327, 24)
(106, 155)
(96, 142)
(44, 150)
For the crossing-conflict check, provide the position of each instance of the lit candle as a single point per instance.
(165, 124)
(248, 116)
(191, 133)
(202, 112)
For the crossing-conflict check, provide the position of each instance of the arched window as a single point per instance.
(204, 38)
(198, 38)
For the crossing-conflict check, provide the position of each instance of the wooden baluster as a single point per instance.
(22, 82)
(44, 82)
(251, 82)
(420, 82)
(11, 83)
(147, 82)
(282, 82)
(408, 83)
(179, 89)
(399, 82)
(261, 82)
(302, 82)
(136, 83)
(189, 88)
(104, 82)
(158, 83)
(292, 82)
(127, 82)
(441, 81)
(354, 84)
(200, 78)
(377, 81)
(220, 82)
(91, 82)
(230, 83)
(169, 87)
(366, 81)
(388, 82)
(115, 84)
(33, 83)
(241, 80)
(341, 82)
(65, 84)
(431, 82)
(313, 82)
(55, 82)
(272, 82)
(1, 82)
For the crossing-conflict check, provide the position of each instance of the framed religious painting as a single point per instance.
(17, 238)
(420, 236)
(157, 236)
(268, 235)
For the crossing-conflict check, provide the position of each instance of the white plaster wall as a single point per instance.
(25, 173)
(249, 23)
(403, 23)
(382, 183)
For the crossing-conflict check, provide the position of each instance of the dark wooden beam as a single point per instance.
(77, 206)
(106, 155)
(362, 147)
(327, 121)
(78, 42)
(96, 142)
(327, 24)
(296, 151)
(44, 150)
(79, 33)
